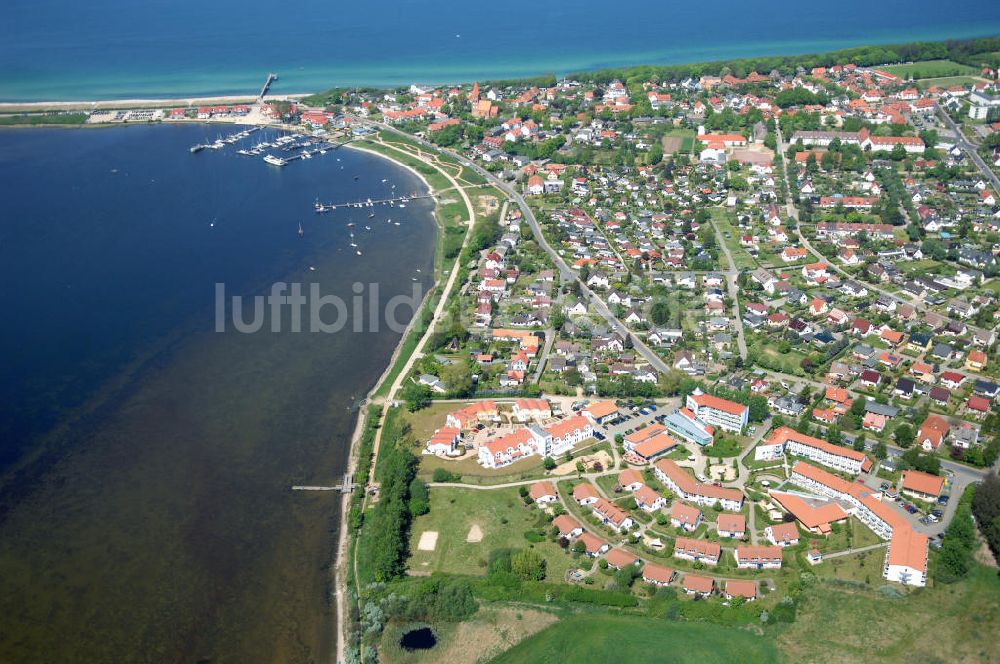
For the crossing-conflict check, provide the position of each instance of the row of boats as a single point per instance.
(391, 202)
(221, 142)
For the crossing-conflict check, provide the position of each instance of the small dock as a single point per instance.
(271, 78)
(347, 485)
(370, 203)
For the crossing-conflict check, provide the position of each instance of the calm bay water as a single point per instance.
(106, 49)
(146, 514)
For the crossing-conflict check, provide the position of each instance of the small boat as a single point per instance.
(312, 268)
(384, 180)
(402, 205)
(368, 228)
(350, 224)
(274, 161)
(354, 245)
(355, 177)
(395, 223)
(359, 252)
(371, 215)
(301, 231)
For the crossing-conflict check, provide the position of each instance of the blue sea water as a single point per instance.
(146, 459)
(105, 49)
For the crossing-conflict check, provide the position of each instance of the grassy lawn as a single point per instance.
(501, 517)
(609, 638)
(786, 363)
(931, 69)
(473, 473)
(740, 257)
(951, 80)
(954, 623)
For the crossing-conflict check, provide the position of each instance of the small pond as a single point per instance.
(418, 639)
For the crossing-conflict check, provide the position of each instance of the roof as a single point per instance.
(914, 480)
(733, 523)
(532, 404)
(569, 425)
(785, 532)
(810, 517)
(784, 434)
(758, 553)
(566, 524)
(700, 584)
(689, 485)
(657, 573)
(685, 513)
(592, 542)
(656, 445)
(630, 476)
(746, 589)
(601, 409)
(619, 558)
(701, 547)
(610, 511)
(718, 403)
(540, 489)
(584, 490)
(645, 433)
(646, 496)
(908, 548)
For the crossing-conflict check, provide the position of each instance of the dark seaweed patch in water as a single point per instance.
(418, 639)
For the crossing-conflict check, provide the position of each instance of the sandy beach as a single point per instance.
(43, 106)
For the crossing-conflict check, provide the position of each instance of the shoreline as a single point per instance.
(115, 104)
(340, 562)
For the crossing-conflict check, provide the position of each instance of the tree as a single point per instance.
(904, 435)
(416, 396)
(458, 377)
(549, 463)
(528, 565)
(659, 313)
(859, 443)
(881, 451)
(420, 502)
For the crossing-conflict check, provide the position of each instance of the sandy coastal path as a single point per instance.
(341, 568)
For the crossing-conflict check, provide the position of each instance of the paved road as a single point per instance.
(970, 149)
(734, 292)
(790, 206)
(565, 271)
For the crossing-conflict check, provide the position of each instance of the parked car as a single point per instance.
(599, 436)
(912, 510)
(943, 500)
(652, 407)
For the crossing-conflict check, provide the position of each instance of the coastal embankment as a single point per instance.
(344, 549)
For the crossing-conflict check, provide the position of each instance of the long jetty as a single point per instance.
(326, 207)
(271, 78)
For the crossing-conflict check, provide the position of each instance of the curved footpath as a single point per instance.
(352, 464)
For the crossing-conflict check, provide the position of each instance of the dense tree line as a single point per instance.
(964, 51)
(986, 509)
(387, 529)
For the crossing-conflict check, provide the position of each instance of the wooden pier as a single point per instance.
(370, 203)
(271, 78)
(347, 485)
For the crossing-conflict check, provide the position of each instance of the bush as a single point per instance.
(442, 475)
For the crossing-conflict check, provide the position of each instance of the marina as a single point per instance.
(289, 147)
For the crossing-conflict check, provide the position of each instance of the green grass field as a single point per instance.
(500, 516)
(947, 623)
(610, 638)
(948, 81)
(931, 69)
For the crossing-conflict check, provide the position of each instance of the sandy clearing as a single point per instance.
(428, 540)
(475, 535)
(588, 462)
